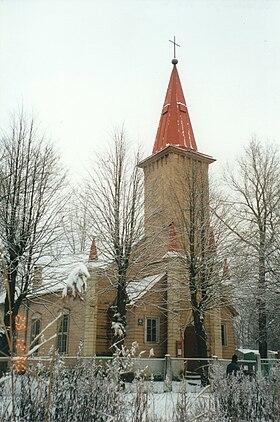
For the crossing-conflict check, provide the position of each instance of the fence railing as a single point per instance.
(158, 368)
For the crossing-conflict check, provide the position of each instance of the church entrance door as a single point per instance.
(190, 348)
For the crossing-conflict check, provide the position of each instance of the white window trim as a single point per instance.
(157, 319)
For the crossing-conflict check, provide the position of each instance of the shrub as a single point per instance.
(246, 398)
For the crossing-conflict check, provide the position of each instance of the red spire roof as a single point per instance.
(175, 126)
(93, 251)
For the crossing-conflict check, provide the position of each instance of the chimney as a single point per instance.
(173, 244)
(37, 276)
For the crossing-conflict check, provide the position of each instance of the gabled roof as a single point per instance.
(175, 126)
(136, 289)
(54, 276)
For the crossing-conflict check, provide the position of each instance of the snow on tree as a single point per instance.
(76, 283)
(118, 326)
(151, 353)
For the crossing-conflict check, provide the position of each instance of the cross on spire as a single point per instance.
(174, 46)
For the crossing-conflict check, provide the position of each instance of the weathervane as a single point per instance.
(174, 61)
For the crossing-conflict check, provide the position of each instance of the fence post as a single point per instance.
(213, 362)
(258, 364)
(167, 374)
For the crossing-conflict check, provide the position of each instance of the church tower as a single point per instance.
(174, 172)
(177, 226)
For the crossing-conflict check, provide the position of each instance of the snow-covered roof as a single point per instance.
(3, 295)
(48, 288)
(172, 254)
(256, 352)
(2, 298)
(245, 351)
(55, 278)
(136, 289)
(55, 274)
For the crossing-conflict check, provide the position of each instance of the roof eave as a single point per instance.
(178, 150)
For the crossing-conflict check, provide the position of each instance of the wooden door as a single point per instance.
(190, 348)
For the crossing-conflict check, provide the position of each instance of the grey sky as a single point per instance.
(84, 67)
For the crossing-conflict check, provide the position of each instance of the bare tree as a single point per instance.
(254, 225)
(115, 198)
(77, 224)
(200, 240)
(31, 202)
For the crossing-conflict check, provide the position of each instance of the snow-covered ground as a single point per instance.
(95, 393)
(147, 400)
(165, 406)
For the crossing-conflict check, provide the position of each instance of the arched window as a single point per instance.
(36, 328)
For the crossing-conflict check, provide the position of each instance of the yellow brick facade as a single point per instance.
(167, 304)
(89, 325)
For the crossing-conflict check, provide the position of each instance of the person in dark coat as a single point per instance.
(233, 367)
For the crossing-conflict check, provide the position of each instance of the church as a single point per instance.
(183, 293)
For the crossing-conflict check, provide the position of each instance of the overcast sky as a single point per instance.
(85, 67)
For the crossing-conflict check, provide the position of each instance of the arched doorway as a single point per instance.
(190, 348)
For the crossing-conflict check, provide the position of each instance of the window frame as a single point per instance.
(35, 331)
(63, 335)
(157, 325)
(224, 334)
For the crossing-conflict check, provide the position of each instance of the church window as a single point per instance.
(224, 334)
(35, 331)
(62, 336)
(151, 330)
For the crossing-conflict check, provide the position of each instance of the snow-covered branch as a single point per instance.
(76, 283)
